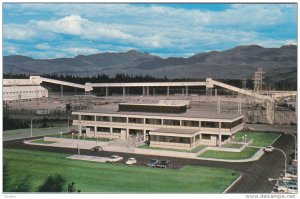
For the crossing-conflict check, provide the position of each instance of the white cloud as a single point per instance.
(79, 51)
(18, 32)
(43, 46)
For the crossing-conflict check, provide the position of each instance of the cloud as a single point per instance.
(43, 46)
(90, 28)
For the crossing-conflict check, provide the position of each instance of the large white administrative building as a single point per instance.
(169, 125)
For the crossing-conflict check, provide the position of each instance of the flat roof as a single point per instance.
(176, 131)
(156, 104)
(188, 114)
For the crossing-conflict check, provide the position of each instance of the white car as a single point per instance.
(268, 149)
(287, 187)
(114, 158)
(131, 161)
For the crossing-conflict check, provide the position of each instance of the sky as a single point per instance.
(167, 30)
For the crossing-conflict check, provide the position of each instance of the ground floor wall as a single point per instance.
(144, 135)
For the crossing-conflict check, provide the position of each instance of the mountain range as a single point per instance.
(236, 63)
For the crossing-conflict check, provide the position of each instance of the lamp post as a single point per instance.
(72, 135)
(31, 128)
(285, 162)
(245, 137)
(295, 143)
(68, 124)
(78, 149)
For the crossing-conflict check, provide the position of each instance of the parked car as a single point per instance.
(286, 186)
(131, 161)
(268, 149)
(97, 148)
(163, 164)
(152, 163)
(114, 158)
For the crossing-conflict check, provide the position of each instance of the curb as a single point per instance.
(232, 184)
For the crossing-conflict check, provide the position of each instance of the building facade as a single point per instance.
(22, 89)
(184, 130)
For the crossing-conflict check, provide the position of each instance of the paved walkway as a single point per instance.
(166, 153)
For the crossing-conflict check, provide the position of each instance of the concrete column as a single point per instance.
(95, 131)
(148, 93)
(111, 130)
(61, 90)
(106, 91)
(124, 92)
(144, 135)
(186, 90)
(127, 134)
(80, 129)
(216, 92)
(168, 91)
(220, 136)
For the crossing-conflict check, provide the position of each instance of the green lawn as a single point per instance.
(232, 145)
(42, 142)
(261, 139)
(194, 150)
(103, 177)
(246, 153)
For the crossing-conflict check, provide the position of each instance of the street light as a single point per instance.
(285, 162)
(31, 128)
(68, 124)
(295, 143)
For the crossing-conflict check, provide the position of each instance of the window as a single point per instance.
(172, 122)
(206, 137)
(226, 125)
(190, 123)
(103, 129)
(116, 130)
(75, 117)
(237, 122)
(136, 120)
(210, 124)
(88, 117)
(119, 119)
(103, 118)
(153, 121)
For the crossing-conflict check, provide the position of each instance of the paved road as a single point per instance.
(254, 174)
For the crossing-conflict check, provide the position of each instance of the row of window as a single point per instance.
(159, 138)
(7, 93)
(153, 121)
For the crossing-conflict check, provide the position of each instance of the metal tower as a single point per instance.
(258, 80)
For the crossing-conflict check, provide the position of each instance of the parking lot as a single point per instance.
(255, 175)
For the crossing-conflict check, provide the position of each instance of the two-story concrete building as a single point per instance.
(162, 125)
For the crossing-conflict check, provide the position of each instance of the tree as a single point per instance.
(53, 184)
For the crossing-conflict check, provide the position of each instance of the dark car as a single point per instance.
(163, 164)
(152, 163)
(97, 148)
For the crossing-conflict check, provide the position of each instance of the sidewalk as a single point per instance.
(123, 149)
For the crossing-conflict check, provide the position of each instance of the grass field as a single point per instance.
(194, 150)
(102, 177)
(261, 139)
(246, 153)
